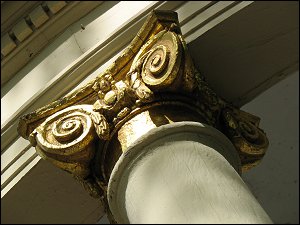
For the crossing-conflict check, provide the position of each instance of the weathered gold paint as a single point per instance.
(141, 121)
(152, 83)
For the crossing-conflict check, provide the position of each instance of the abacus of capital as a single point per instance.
(151, 139)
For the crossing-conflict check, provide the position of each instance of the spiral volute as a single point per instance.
(160, 60)
(66, 139)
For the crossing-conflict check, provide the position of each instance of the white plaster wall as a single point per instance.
(275, 181)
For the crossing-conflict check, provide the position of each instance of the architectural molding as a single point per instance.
(152, 83)
(27, 36)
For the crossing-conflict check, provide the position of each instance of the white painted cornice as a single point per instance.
(27, 27)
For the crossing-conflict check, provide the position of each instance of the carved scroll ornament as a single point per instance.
(155, 71)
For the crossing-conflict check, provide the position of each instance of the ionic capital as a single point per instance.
(153, 83)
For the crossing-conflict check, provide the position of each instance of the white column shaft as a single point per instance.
(177, 175)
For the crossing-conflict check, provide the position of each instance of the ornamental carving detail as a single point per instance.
(156, 72)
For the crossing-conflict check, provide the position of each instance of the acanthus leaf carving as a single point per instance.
(101, 125)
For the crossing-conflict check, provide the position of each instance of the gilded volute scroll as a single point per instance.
(154, 82)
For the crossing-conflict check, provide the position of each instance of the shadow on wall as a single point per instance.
(103, 220)
(275, 181)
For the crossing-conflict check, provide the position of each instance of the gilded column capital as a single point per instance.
(152, 83)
